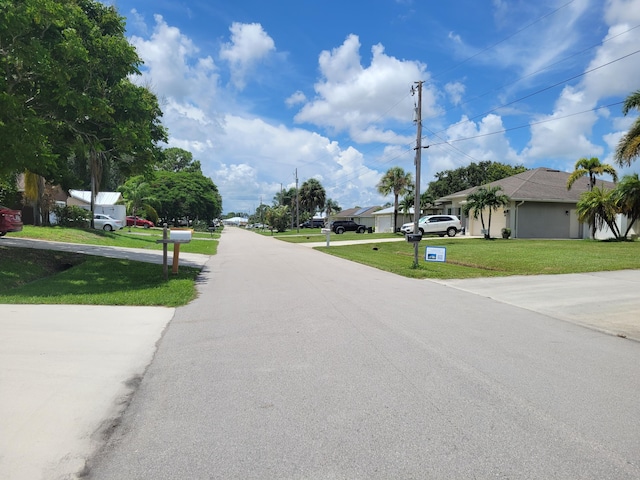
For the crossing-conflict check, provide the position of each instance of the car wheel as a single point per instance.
(339, 230)
(451, 232)
(360, 230)
(2, 234)
(421, 231)
(107, 227)
(146, 225)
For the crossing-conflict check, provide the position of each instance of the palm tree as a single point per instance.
(312, 196)
(591, 167)
(627, 198)
(136, 195)
(398, 182)
(628, 148)
(331, 206)
(598, 208)
(34, 186)
(482, 198)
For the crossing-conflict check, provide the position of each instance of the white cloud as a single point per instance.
(296, 99)
(455, 90)
(169, 66)
(356, 99)
(249, 45)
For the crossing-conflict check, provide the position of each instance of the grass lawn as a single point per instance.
(32, 276)
(48, 277)
(202, 242)
(310, 235)
(470, 258)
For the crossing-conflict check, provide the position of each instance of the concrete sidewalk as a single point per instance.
(66, 371)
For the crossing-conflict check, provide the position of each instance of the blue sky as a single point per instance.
(257, 90)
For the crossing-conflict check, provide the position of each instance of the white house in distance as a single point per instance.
(107, 203)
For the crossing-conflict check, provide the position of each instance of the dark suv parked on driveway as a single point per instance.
(341, 226)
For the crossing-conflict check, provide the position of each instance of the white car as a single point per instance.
(105, 222)
(435, 225)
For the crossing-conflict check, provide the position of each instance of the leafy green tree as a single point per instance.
(598, 208)
(626, 196)
(178, 160)
(312, 196)
(485, 198)
(188, 195)
(397, 182)
(590, 167)
(628, 148)
(65, 88)
(279, 217)
(473, 175)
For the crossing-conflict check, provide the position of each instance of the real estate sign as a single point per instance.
(435, 254)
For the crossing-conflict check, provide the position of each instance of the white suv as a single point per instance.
(435, 225)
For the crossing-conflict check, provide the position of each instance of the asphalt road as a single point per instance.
(293, 364)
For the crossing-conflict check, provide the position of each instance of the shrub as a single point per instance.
(72, 216)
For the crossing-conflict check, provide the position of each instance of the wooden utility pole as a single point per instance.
(418, 161)
(297, 204)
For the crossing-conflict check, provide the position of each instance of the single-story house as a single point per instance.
(107, 203)
(540, 206)
(362, 215)
(384, 219)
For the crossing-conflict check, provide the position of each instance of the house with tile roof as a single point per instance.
(361, 215)
(540, 207)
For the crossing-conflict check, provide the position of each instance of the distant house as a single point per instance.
(540, 207)
(361, 215)
(108, 203)
(384, 219)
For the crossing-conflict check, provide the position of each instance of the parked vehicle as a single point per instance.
(106, 222)
(10, 220)
(135, 221)
(313, 223)
(435, 225)
(341, 226)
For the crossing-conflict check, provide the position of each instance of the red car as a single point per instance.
(10, 221)
(138, 221)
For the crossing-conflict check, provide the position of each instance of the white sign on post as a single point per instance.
(435, 254)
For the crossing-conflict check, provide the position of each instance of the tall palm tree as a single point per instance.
(591, 167)
(628, 148)
(598, 208)
(331, 207)
(312, 196)
(398, 182)
(483, 198)
(627, 198)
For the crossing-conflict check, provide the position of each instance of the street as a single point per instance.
(296, 364)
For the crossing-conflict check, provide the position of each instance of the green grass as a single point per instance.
(32, 276)
(470, 258)
(202, 242)
(310, 235)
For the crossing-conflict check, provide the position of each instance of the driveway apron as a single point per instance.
(296, 364)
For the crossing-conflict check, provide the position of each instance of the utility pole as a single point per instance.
(297, 205)
(418, 162)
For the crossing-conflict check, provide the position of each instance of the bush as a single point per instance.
(72, 216)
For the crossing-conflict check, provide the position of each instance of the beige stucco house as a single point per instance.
(540, 207)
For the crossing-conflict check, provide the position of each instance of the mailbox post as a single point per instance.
(176, 237)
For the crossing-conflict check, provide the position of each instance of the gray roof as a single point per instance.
(357, 212)
(539, 184)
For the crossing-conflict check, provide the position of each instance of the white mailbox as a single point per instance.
(180, 236)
